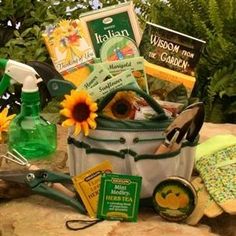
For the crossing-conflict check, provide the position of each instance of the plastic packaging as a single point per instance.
(29, 134)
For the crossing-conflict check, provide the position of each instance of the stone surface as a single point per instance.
(36, 215)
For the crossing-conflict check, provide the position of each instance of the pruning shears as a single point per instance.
(51, 84)
(39, 182)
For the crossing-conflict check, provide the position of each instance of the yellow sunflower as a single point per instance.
(80, 111)
(122, 106)
(64, 24)
(4, 122)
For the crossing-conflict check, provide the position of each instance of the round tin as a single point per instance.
(174, 198)
(117, 48)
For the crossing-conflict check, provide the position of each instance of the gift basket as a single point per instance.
(132, 136)
(130, 145)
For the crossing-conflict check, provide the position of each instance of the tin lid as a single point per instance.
(118, 48)
(174, 198)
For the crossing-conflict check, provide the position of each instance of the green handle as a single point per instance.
(46, 191)
(37, 185)
(155, 106)
(59, 87)
(4, 84)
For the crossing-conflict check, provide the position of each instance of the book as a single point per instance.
(170, 49)
(69, 48)
(168, 84)
(107, 22)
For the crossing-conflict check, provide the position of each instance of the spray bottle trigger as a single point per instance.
(5, 83)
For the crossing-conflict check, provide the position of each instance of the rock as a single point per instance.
(37, 215)
(156, 226)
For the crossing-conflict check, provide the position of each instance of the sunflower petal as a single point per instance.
(66, 112)
(10, 117)
(5, 112)
(92, 123)
(93, 116)
(74, 94)
(5, 125)
(85, 128)
(82, 96)
(88, 100)
(68, 122)
(93, 107)
(77, 129)
(67, 104)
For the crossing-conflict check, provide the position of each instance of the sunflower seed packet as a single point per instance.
(123, 79)
(119, 197)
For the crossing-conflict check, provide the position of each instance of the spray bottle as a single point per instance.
(29, 133)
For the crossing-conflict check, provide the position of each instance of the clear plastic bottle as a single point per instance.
(29, 133)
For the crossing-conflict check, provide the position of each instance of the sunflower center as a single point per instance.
(81, 112)
(121, 108)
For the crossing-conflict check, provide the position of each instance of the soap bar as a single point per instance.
(119, 197)
(87, 185)
(174, 198)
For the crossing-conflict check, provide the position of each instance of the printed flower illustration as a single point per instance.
(80, 111)
(122, 106)
(4, 122)
(66, 38)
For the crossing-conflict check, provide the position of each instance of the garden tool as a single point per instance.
(56, 86)
(19, 159)
(39, 181)
(186, 125)
(51, 83)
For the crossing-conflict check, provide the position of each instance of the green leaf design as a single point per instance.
(178, 94)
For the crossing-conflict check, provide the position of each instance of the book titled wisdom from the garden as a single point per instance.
(171, 49)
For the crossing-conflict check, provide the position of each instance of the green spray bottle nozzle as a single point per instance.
(5, 81)
(3, 63)
(18, 72)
